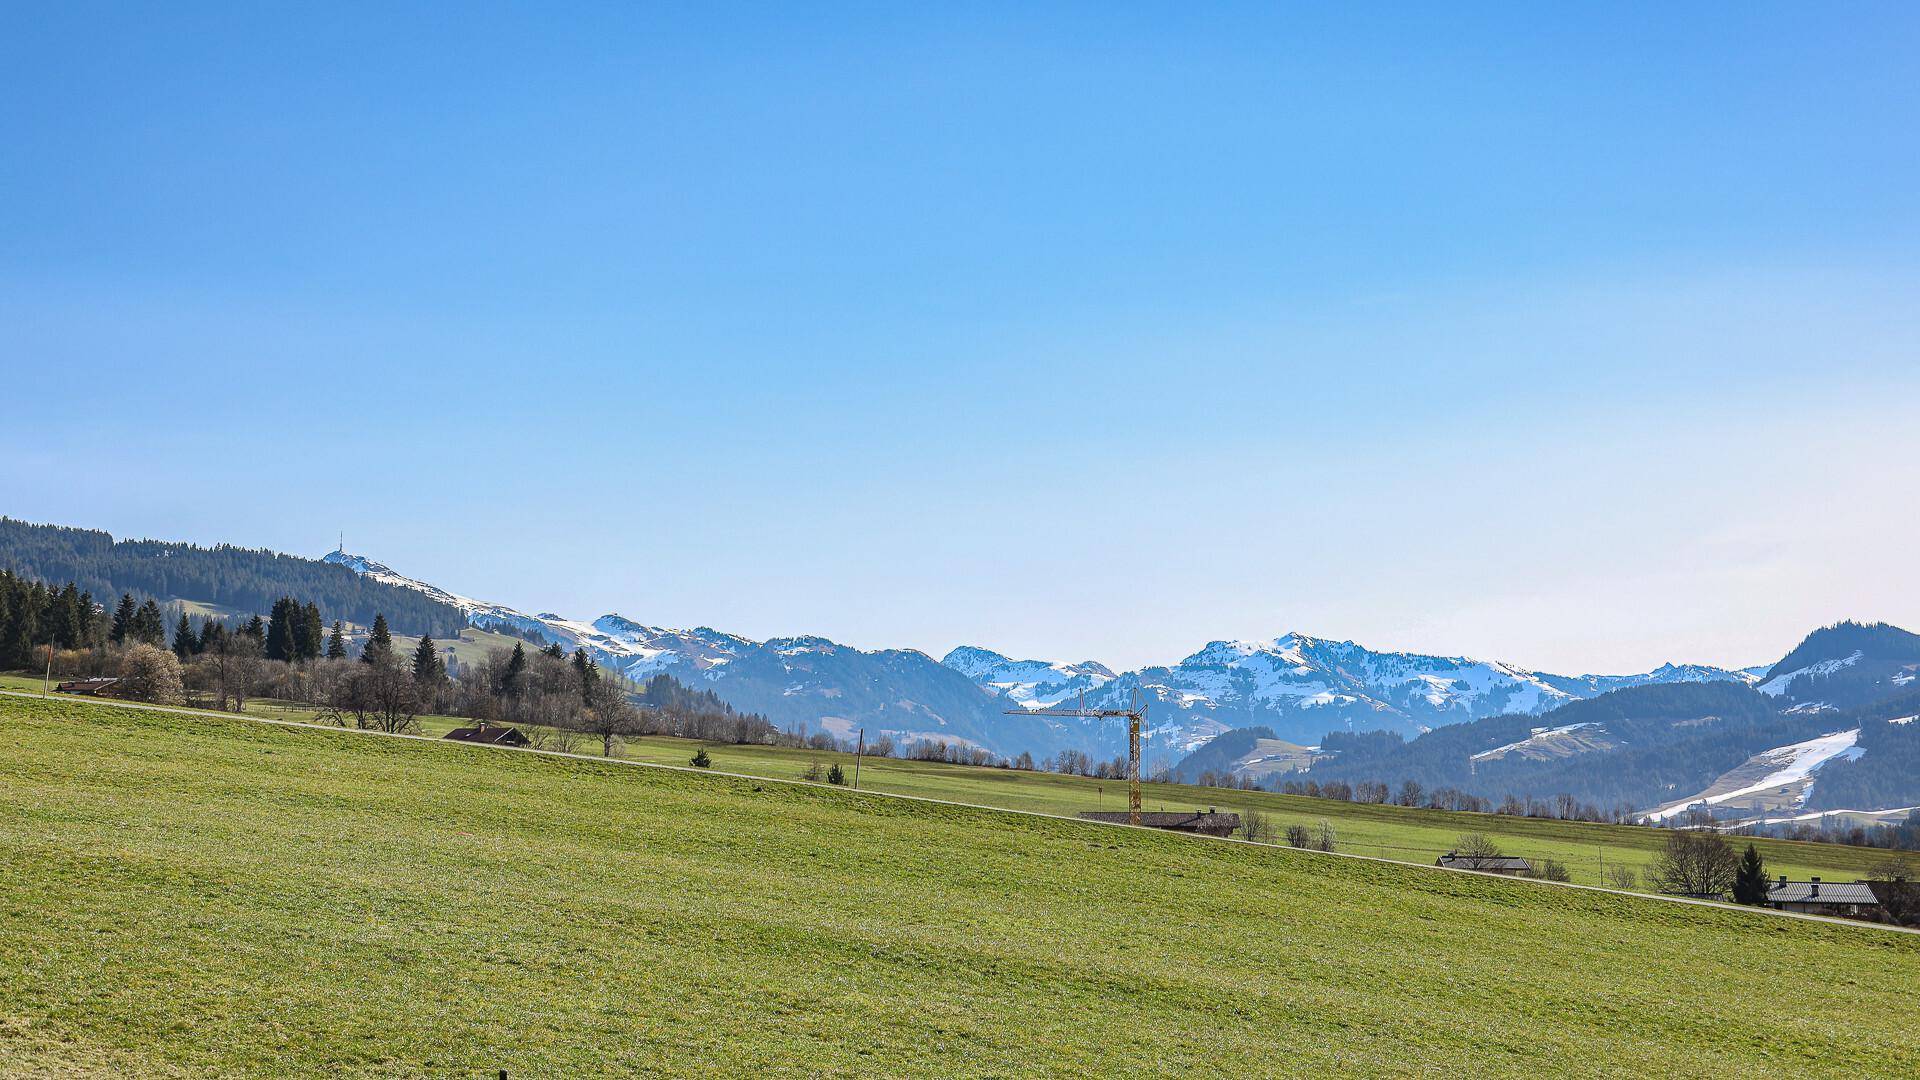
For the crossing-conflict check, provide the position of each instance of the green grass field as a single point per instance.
(192, 896)
(1391, 832)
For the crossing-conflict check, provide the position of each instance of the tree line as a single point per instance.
(241, 578)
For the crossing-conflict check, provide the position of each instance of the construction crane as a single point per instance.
(1133, 715)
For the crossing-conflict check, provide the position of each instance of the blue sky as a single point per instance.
(1586, 341)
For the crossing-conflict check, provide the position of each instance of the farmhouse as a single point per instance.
(1511, 865)
(1845, 899)
(491, 734)
(1207, 823)
(86, 686)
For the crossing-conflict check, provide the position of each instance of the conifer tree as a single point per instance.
(280, 630)
(428, 670)
(588, 674)
(147, 626)
(554, 650)
(379, 647)
(308, 642)
(184, 643)
(6, 617)
(89, 622)
(63, 623)
(1750, 879)
(256, 629)
(213, 636)
(516, 672)
(21, 627)
(122, 620)
(337, 641)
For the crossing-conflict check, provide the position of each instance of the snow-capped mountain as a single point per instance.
(1665, 674)
(1299, 686)
(612, 640)
(1035, 684)
(1302, 687)
(805, 682)
(1846, 664)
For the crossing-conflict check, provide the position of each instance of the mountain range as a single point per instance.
(1829, 726)
(1297, 686)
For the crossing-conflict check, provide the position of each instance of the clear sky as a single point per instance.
(1584, 341)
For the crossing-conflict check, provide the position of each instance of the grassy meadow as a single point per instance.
(192, 896)
(1391, 832)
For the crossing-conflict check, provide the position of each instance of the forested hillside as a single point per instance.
(244, 579)
(1888, 774)
(1640, 746)
(1219, 755)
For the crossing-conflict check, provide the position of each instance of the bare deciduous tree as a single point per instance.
(609, 714)
(1896, 884)
(1476, 851)
(1256, 826)
(391, 696)
(1695, 862)
(231, 669)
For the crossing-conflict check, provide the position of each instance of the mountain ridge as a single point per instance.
(1299, 685)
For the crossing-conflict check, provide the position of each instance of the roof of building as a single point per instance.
(1455, 861)
(489, 733)
(1169, 819)
(1831, 892)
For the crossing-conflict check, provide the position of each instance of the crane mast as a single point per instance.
(1133, 716)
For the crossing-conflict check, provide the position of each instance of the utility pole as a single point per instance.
(46, 683)
(859, 751)
(1133, 715)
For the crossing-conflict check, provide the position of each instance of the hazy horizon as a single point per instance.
(1584, 341)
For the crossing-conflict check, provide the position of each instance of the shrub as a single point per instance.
(1324, 838)
(835, 776)
(700, 759)
(1623, 877)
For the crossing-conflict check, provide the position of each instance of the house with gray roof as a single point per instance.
(1845, 899)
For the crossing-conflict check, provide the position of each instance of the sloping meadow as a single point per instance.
(210, 897)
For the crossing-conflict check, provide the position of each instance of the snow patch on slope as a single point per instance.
(1033, 684)
(1540, 738)
(1777, 685)
(1789, 765)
